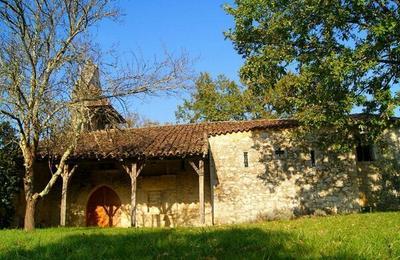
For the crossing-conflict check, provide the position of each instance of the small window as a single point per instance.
(246, 159)
(279, 153)
(264, 135)
(154, 201)
(312, 158)
(365, 153)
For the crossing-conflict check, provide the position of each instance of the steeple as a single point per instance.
(97, 111)
(88, 87)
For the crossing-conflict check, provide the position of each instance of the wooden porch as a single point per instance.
(140, 172)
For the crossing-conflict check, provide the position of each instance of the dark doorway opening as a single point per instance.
(103, 208)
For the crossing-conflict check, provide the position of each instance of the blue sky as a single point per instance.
(149, 27)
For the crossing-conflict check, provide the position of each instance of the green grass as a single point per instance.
(358, 236)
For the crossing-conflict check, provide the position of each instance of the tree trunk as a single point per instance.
(29, 221)
(30, 197)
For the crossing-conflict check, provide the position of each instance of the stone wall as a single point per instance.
(282, 181)
(380, 179)
(86, 181)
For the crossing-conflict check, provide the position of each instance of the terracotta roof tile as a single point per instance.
(163, 141)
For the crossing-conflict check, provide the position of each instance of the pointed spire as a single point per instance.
(88, 85)
(90, 77)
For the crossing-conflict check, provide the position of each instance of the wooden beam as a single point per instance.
(194, 166)
(140, 168)
(66, 175)
(133, 171)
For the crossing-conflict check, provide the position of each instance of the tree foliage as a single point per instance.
(319, 61)
(217, 99)
(10, 172)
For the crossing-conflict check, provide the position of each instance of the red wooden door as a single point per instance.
(103, 208)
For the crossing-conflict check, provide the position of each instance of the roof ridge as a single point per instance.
(236, 121)
(189, 124)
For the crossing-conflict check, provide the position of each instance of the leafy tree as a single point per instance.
(10, 172)
(217, 100)
(319, 60)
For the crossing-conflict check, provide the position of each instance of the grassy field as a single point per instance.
(359, 236)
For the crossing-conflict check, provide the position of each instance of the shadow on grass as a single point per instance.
(243, 243)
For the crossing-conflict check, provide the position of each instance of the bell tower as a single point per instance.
(96, 110)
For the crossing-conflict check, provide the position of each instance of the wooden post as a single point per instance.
(212, 183)
(201, 193)
(133, 172)
(63, 212)
(66, 175)
(200, 172)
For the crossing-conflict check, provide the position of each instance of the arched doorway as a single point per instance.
(103, 208)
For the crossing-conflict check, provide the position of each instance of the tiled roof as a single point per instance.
(163, 141)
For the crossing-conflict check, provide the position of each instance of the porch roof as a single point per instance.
(163, 141)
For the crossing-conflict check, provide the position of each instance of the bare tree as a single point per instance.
(135, 120)
(43, 43)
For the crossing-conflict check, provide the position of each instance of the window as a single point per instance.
(264, 135)
(154, 201)
(246, 159)
(312, 158)
(365, 153)
(279, 153)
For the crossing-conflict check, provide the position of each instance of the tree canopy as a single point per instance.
(320, 61)
(10, 172)
(217, 99)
